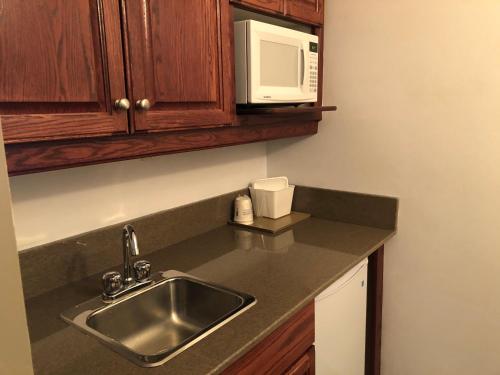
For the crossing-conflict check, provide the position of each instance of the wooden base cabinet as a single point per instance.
(304, 365)
(288, 350)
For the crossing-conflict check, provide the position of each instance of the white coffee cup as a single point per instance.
(243, 212)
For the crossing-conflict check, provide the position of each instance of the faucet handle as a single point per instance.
(142, 270)
(112, 283)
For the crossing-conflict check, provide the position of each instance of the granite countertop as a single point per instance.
(283, 272)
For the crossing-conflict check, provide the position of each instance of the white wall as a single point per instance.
(54, 205)
(417, 83)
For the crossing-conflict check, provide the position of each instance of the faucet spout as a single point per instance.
(134, 277)
(130, 249)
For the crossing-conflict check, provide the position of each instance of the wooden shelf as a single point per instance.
(283, 110)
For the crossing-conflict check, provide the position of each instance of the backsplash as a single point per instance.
(49, 266)
(53, 265)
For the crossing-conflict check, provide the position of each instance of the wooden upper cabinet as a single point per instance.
(180, 58)
(306, 10)
(272, 5)
(61, 69)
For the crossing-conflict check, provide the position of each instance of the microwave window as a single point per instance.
(278, 64)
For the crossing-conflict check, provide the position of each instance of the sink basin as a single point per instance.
(154, 324)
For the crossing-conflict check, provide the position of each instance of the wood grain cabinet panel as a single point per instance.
(282, 352)
(270, 5)
(180, 61)
(305, 365)
(61, 68)
(306, 10)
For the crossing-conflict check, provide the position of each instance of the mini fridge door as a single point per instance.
(340, 324)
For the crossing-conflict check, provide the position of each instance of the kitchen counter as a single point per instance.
(283, 272)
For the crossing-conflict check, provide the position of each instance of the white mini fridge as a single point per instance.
(340, 323)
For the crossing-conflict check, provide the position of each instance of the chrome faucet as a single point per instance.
(134, 277)
(130, 249)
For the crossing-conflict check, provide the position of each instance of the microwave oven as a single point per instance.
(274, 64)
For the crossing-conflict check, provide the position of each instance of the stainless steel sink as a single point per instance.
(154, 324)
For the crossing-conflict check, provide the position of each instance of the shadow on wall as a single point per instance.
(54, 205)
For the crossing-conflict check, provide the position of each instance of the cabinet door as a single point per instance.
(180, 55)
(304, 365)
(61, 69)
(272, 5)
(282, 349)
(306, 10)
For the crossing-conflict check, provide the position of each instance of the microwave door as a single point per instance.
(290, 82)
(277, 68)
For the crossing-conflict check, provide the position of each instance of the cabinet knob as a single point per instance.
(143, 105)
(122, 104)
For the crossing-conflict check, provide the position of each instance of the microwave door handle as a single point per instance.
(303, 66)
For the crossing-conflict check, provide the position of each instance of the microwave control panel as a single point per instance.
(313, 66)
